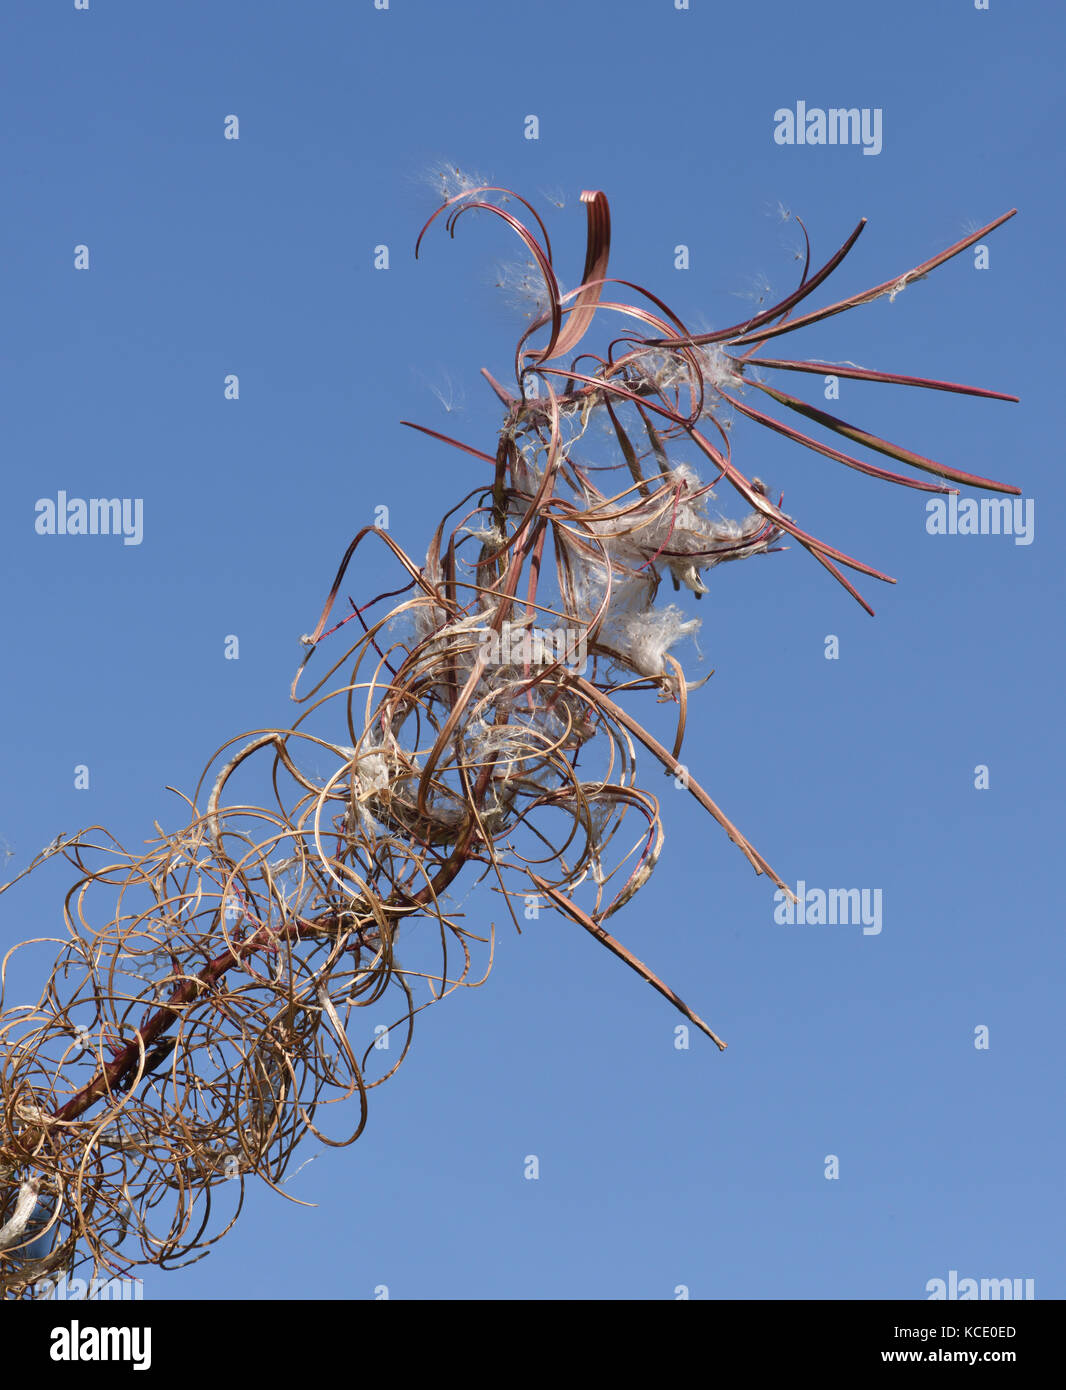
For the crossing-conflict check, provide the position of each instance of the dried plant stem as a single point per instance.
(202, 1011)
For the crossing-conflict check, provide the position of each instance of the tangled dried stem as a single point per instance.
(201, 1012)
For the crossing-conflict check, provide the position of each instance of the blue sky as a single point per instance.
(659, 1167)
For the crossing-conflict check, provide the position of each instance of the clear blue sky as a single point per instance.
(659, 1167)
